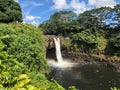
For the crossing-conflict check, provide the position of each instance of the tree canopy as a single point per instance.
(10, 11)
(53, 26)
(88, 29)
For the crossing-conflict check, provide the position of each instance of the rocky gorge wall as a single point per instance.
(49, 42)
(50, 45)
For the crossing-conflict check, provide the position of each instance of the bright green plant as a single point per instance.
(114, 88)
(72, 88)
(101, 46)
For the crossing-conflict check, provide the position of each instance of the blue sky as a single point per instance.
(37, 11)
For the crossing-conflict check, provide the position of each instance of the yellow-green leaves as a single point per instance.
(22, 81)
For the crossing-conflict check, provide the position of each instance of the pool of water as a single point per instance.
(86, 77)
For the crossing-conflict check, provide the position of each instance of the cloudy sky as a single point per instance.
(37, 11)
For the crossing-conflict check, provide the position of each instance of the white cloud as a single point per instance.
(35, 23)
(78, 6)
(75, 5)
(60, 4)
(16, 0)
(37, 4)
(27, 7)
(102, 3)
(31, 4)
(30, 18)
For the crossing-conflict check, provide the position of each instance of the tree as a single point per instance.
(25, 43)
(85, 40)
(70, 28)
(63, 16)
(117, 9)
(88, 21)
(10, 11)
(53, 26)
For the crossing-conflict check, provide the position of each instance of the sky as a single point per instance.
(36, 11)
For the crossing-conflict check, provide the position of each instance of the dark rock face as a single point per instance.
(50, 45)
(49, 42)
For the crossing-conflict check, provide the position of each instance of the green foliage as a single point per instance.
(10, 11)
(25, 43)
(86, 40)
(88, 31)
(101, 46)
(117, 9)
(114, 44)
(114, 88)
(7, 71)
(88, 21)
(72, 88)
(54, 25)
(22, 59)
(116, 41)
(40, 81)
(63, 16)
(69, 28)
(86, 37)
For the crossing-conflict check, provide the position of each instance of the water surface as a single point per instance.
(87, 77)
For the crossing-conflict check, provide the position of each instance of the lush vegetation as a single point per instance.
(114, 88)
(54, 25)
(10, 11)
(90, 31)
(22, 59)
(23, 63)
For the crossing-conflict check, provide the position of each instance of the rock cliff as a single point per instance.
(49, 42)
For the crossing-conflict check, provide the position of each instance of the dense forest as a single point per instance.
(95, 31)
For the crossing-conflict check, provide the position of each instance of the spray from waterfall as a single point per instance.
(60, 63)
(58, 50)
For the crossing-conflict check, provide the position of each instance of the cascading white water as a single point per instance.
(58, 50)
(61, 63)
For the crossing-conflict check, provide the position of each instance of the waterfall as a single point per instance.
(58, 50)
(60, 62)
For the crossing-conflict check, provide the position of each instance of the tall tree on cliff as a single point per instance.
(10, 11)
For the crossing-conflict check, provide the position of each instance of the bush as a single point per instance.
(22, 59)
(25, 43)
